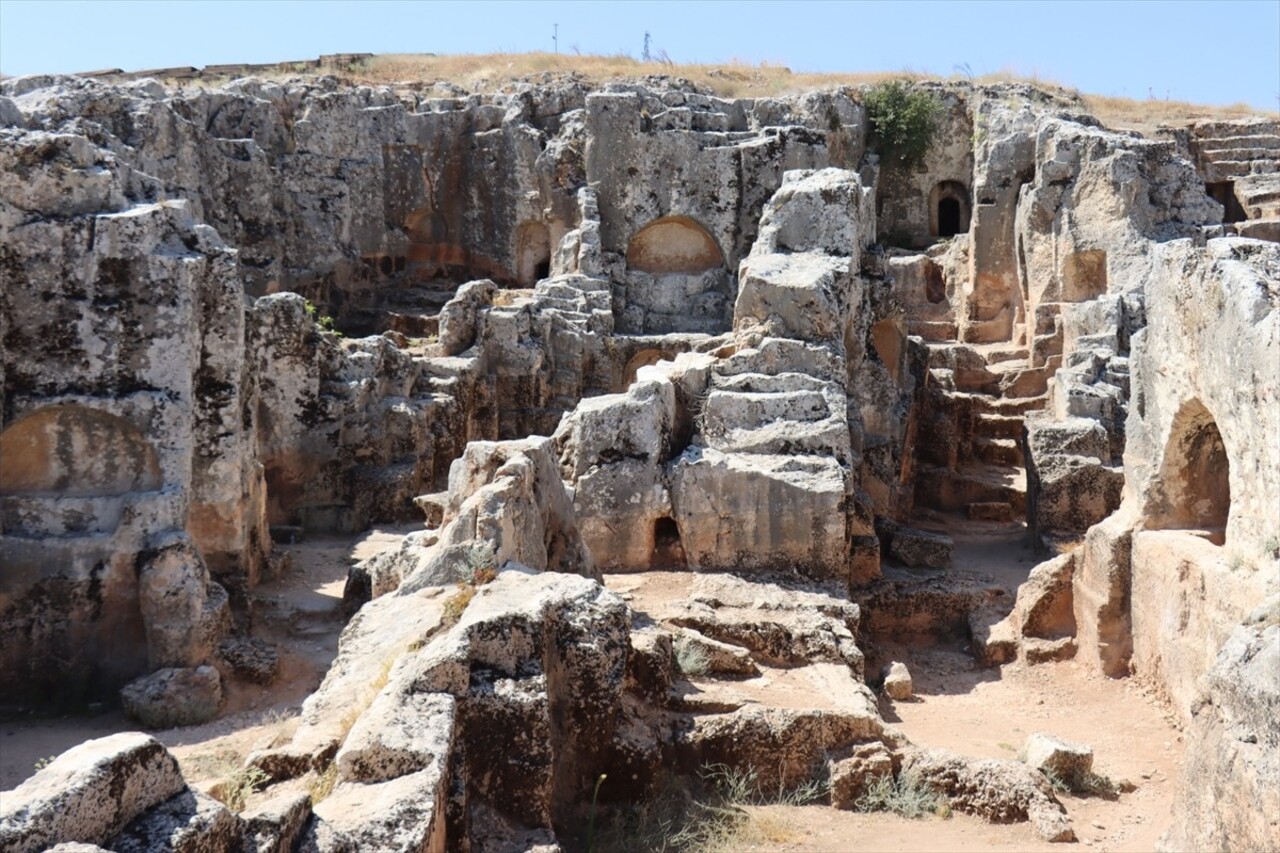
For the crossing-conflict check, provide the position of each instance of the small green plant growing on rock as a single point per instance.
(479, 567)
(324, 321)
(904, 121)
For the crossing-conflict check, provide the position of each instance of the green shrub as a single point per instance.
(904, 121)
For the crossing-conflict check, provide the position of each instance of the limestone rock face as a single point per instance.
(505, 503)
(853, 774)
(277, 825)
(181, 619)
(127, 449)
(1042, 625)
(921, 549)
(398, 736)
(513, 708)
(89, 793)
(686, 466)
(190, 821)
(782, 745)
(174, 697)
(1229, 785)
(779, 626)
(714, 490)
(717, 657)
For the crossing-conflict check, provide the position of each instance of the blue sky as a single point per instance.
(1215, 52)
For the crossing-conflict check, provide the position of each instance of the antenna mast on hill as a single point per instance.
(555, 37)
(646, 46)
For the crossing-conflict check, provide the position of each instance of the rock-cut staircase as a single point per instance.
(970, 449)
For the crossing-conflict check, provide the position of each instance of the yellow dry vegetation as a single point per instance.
(744, 80)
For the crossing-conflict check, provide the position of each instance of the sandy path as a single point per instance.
(300, 612)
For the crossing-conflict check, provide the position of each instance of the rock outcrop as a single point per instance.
(621, 329)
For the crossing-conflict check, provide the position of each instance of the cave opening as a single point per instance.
(668, 552)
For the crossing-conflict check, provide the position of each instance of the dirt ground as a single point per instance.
(300, 612)
(989, 714)
(986, 713)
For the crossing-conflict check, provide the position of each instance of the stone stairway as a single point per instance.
(973, 460)
(1227, 151)
(1241, 163)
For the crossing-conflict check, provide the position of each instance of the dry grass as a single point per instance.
(1147, 115)
(211, 765)
(720, 811)
(479, 71)
(370, 693)
(494, 71)
(743, 80)
(321, 785)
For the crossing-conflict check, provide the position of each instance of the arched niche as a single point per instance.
(533, 253)
(1194, 490)
(949, 209)
(644, 358)
(673, 244)
(432, 254)
(75, 451)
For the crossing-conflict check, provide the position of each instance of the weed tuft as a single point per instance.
(239, 785)
(690, 659)
(906, 796)
(321, 784)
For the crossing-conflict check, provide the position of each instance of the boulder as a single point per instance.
(89, 793)
(897, 682)
(251, 659)
(857, 770)
(1069, 762)
(780, 626)
(275, 825)
(460, 315)
(999, 791)
(921, 549)
(174, 697)
(406, 813)
(783, 746)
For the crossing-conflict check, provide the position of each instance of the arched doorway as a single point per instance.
(676, 281)
(948, 209)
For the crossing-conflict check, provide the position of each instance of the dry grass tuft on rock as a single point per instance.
(235, 790)
(906, 796)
